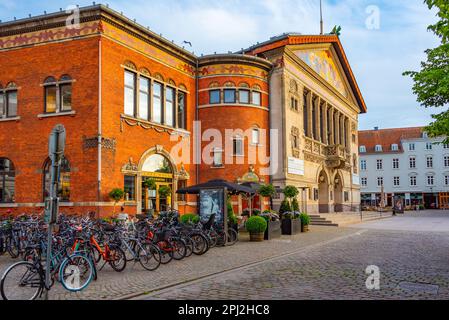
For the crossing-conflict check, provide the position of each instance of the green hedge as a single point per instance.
(190, 218)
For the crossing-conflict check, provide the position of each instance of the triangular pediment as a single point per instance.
(324, 62)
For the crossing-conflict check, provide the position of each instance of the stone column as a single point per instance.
(337, 127)
(342, 129)
(309, 114)
(331, 128)
(317, 118)
(325, 139)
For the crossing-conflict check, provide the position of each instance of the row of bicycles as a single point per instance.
(82, 247)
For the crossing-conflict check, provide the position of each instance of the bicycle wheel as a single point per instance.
(213, 239)
(129, 252)
(233, 237)
(166, 255)
(21, 281)
(178, 249)
(76, 273)
(189, 245)
(117, 259)
(200, 244)
(149, 256)
(13, 247)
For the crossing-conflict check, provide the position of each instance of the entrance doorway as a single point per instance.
(157, 184)
(431, 200)
(323, 192)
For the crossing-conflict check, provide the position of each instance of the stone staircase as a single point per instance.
(346, 218)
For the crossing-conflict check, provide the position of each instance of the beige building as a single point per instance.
(314, 104)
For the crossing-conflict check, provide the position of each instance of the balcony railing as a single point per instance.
(336, 156)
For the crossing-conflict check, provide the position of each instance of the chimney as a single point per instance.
(376, 128)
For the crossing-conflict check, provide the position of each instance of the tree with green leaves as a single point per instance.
(267, 191)
(431, 84)
(116, 194)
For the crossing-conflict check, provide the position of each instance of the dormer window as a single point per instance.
(394, 147)
(362, 149)
(425, 135)
(378, 148)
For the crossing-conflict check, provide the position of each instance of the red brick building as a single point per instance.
(141, 113)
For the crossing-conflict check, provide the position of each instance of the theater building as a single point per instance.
(314, 106)
(142, 113)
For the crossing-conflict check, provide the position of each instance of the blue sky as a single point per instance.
(378, 56)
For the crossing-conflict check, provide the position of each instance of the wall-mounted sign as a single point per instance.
(296, 166)
(356, 179)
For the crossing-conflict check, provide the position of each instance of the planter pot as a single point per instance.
(273, 231)
(290, 227)
(256, 237)
(304, 228)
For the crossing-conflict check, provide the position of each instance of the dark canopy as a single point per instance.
(233, 188)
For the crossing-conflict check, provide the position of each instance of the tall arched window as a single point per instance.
(7, 181)
(64, 180)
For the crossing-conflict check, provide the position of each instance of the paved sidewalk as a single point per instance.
(135, 280)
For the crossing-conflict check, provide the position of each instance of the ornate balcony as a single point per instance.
(336, 156)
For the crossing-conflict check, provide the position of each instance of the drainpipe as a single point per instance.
(198, 134)
(99, 123)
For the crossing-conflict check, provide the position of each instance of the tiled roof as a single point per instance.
(387, 137)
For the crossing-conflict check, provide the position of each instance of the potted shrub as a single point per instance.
(256, 227)
(295, 205)
(273, 225)
(267, 191)
(290, 224)
(305, 222)
(116, 194)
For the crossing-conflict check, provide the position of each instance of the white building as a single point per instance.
(407, 164)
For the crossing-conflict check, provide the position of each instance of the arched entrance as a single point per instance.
(338, 193)
(156, 182)
(323, 194)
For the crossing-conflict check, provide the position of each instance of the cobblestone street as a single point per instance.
(327, 263)
(413, 265)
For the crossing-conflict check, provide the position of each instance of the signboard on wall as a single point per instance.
(212, 202)
(296, 166)
(356, 179)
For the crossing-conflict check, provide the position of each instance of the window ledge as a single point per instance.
(217, 167)
(8, 205)
(56, 114)
(9, 119)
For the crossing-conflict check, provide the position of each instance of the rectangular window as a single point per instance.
(379, 164)
(144, 98)
(446, 161)
(65, 91)
(182, 110)
(413, 181)
(229, 96)
(380, 181)
(156, 113)
(244, 96)
(396, 181)
(446, 180)
(169, 107)
(130, 188)
(428, 146)
(11, 103)
(305, 115)
(2, 105)
(255, 136)
(218, 157)
(257, 98)
(412, 162)
(50, 99)
(430, 180)
(395, 163)
(364, 182)
(214, 97)
(363, 165)
(446, 146)
(130, 93)
(411, 147)
(429, 162)
(238, 146)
